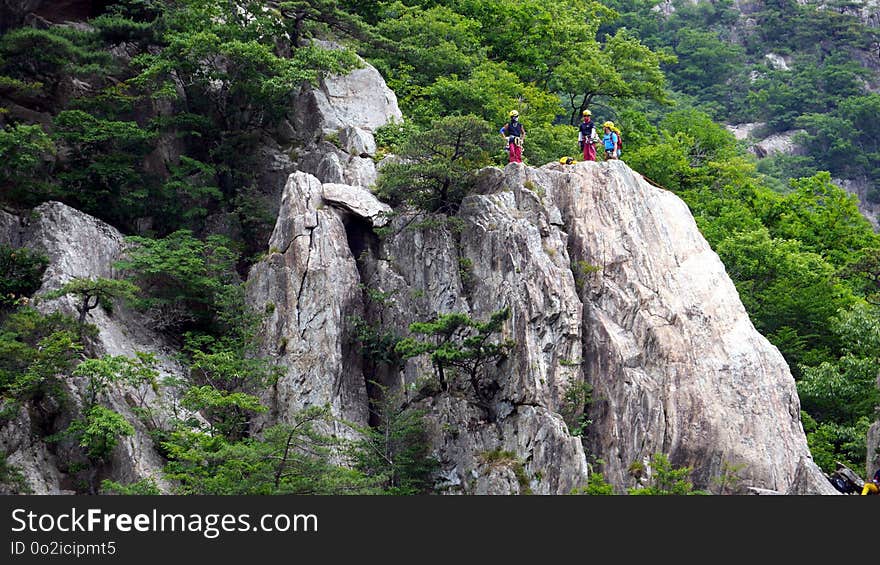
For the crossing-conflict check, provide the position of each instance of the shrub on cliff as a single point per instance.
(438, 166)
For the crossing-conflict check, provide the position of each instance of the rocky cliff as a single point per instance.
(79, 245)
(610, 287)
(609, 283)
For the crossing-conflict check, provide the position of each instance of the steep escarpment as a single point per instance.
(609, 285)
(676, 364)
(608, 282)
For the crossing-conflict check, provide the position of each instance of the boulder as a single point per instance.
(358, 99)
(329, 164)
(357, 141)
(357, 200)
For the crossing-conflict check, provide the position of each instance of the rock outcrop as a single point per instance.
(862, 188)
(504, 253)
(309, 287)
(744, 131)
(334, 124)
(779, 143)
(675, 363)
(79, 245)
(608, 282)
(358, 99)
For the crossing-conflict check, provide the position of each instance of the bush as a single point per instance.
(21, 273)
(99, 432)
(438, 166)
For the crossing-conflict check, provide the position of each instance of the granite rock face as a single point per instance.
(359, 99)
(864, 190)
(675, 363)
(309, 287)
(79, 245)
(609, 284)
(779, 143)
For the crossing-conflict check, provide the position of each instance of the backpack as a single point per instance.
(842, 485)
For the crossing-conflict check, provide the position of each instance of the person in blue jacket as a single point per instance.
(610, 140)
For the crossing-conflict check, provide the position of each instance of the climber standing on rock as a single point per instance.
(610, 141)
(587, 136)
(513, 133)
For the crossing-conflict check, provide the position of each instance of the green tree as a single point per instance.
(596, 486)
(24, 150)
(455, 342)
(421, 45)
(144, 487)
(92, 293)
(217, 42)
(228, 413)
(705, 61)
(824, 218)
(21, 273)
(839, 398)
(102, 174)
(99, 432)
(782, 285)
(184, 279)
(137, 373)
(665, 479)
(831, 442)
(36, 353)
(396, 451)
(437, 167)
(64, 52)
(293, 458)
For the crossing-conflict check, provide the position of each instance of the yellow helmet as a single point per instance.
(587, 113)
(566, 160)
(609, 125)
(513, 114)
